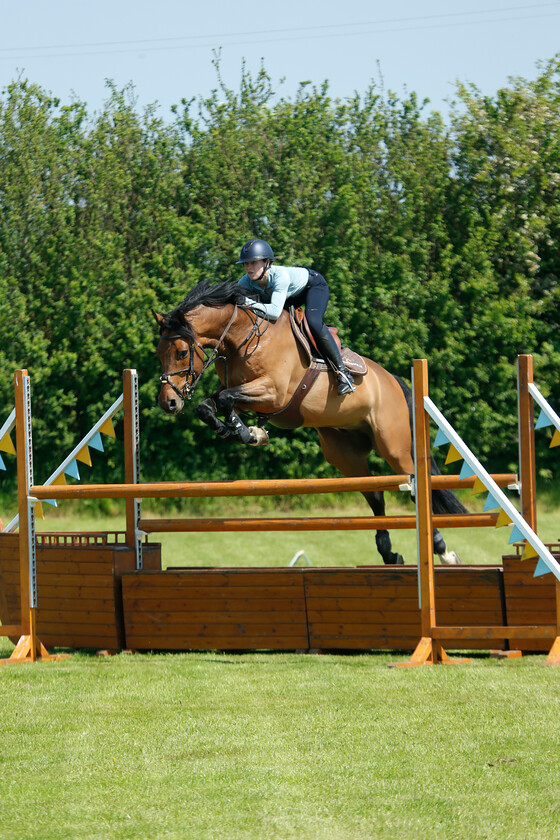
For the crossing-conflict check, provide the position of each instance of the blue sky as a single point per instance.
(165, 48)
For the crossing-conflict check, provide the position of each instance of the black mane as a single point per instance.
(205, 293)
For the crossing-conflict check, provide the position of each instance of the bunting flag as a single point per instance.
(478, 487)
(490, 503)
(441, 438)
(453, 455)
(84, 456)
(466, 471)
(2, 464)
(542, 421)
(541, 568)
(515, 536)
(72, 470)
(6, 444)
(107, 428)
(518, 531)
(529, 552)
(503, 519)
(96, 442)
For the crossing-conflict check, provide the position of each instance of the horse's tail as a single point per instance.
(443, 501)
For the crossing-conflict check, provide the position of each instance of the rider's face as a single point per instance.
(255, 268)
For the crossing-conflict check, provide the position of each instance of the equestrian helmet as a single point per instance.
(255, 249)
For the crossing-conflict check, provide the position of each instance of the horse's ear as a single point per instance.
(159, 318)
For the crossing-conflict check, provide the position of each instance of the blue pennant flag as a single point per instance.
(516, 535)
(52, 502)
(542, 568)
(96, 442)
(466, 471)
(72, 470)
(490, 503)
(2, 464)
(543, 421)
(441, 438)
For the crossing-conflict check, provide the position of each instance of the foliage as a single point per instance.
(437, 240)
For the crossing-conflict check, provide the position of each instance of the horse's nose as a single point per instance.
(171, 405)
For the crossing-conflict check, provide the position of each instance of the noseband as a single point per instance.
(191, 380)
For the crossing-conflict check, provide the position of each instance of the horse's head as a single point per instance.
(186, 351)
(180, 359)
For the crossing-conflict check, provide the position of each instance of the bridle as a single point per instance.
(210, 356)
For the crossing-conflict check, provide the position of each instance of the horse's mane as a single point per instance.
(205, 293)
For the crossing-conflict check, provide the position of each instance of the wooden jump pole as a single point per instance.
(528, 473)
(526, 426)
(428, 650)
(256, 487)
(29, 647)
(313, 523)
(132, 460)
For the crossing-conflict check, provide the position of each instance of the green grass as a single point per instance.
(208, 745)
(279, 746)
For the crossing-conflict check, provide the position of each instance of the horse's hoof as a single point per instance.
(450, 558)
(394, 559)
(259, 436)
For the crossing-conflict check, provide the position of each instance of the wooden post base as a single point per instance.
(553, 657)
(30, 649)
(428, 652)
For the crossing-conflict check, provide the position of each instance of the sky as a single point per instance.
(165, 47)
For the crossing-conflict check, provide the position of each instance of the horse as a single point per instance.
(260, 366)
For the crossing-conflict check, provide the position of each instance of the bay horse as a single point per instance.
(260, 366)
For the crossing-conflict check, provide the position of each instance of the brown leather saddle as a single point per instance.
(290, 416)
(304, 337)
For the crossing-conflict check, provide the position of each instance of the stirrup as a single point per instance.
(345, 382)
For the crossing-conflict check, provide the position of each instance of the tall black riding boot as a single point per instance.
(329, 349)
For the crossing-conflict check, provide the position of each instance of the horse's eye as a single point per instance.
(182, 354)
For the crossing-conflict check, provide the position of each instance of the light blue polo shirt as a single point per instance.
(283, 283)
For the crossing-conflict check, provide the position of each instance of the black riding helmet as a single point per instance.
(256, 249)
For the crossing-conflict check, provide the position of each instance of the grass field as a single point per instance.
(210, 745)
(279, 746)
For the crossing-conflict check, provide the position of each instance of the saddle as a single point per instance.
(304, 337)
(290, 417)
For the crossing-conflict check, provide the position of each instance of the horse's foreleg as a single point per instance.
(252, 435)
(207, 412)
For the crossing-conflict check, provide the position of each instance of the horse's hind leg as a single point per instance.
(348, 451)
(449, 558)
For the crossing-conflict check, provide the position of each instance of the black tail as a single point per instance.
(443, 501)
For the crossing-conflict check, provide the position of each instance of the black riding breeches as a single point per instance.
(315, 298)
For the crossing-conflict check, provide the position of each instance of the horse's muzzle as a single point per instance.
(172, 403)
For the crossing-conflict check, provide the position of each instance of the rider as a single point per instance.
(277, 284)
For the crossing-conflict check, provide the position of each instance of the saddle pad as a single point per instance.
(353, 362)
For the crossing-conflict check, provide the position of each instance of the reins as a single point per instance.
(210, 357)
